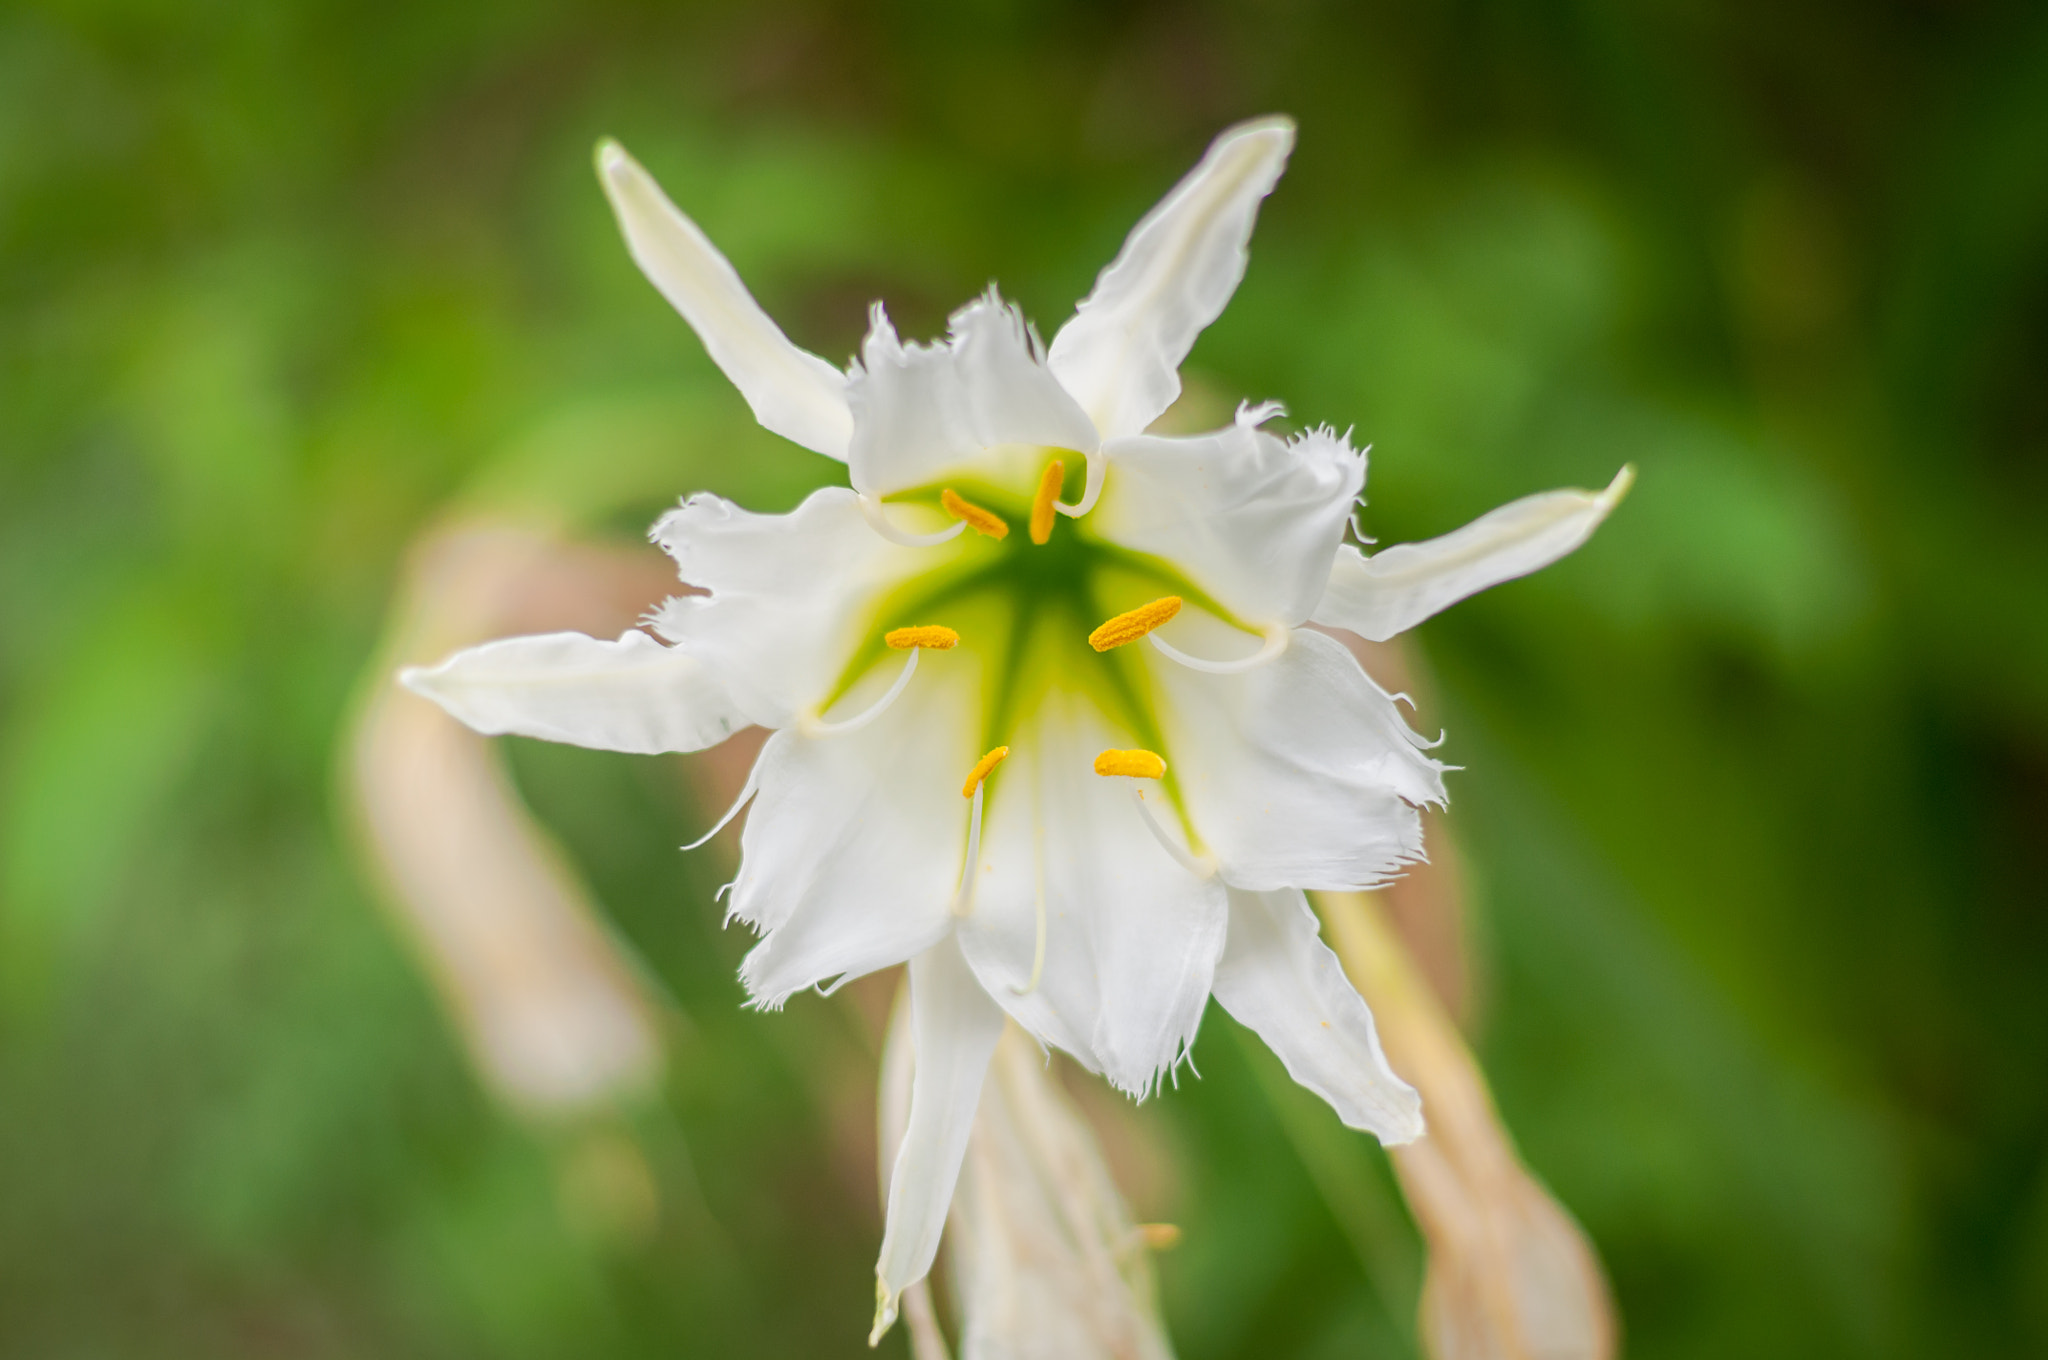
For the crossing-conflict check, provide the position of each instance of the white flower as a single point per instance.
(1184, 757)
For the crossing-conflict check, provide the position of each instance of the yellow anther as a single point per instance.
(1132, 764)
(932, 635)
(1133, 624)
(980, 520)
(981, 769)
(1041, 504)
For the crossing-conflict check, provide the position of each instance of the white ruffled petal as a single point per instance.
(1393, 590)
(1083, 927)
(956, 1028)
(920, 410)
(793, 392)
(1282, 982)
(852, 852)
(1251, 518)
(1299, 772)
(630, 695)
(1121, 354)
(788, 594)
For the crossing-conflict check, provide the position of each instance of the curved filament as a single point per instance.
(963, 900)
(871, 509)
(1200, 867)
(814, 726)
(747, 791)
(1098, 468)
(1276, 643)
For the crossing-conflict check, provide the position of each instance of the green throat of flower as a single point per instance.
(1043, 603)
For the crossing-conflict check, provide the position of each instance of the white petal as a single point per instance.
(956, 1028)
(793, 392)
(1390, 592)
(852, 852)
(1299, 773)
(1130, 937)
(1280, 980)
(1251, 518)
(789, 598)
(630, 695)
(920, 410)
(1121, 354)
(1040, 1244)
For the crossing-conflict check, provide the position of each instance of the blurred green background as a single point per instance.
(1756, 797)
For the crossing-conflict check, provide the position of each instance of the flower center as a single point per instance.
(1045, 612)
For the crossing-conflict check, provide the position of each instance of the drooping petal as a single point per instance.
(793, 392)
(892, 1119)
(1083, 926)
(853, 848)
(1251, 518)
(922, 409)
(1300, 772)
(1121, 354)
(631, 695)
(1044, 1257)
(1281, 981)
(956, 1028)
(788, 594)
(1393, 590)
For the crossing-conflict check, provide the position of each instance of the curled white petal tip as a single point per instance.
(609, 156)
(1265, 125)
(885, 1313)
(632, 695)
(1120, 355)
(793, 392)
(1398, 587)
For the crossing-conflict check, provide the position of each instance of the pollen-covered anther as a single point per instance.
(1139, 764)
(1133, 624)
(1042, 503)
(986, 522)
(982, 768)
(935, 636)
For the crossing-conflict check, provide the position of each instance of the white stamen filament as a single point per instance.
(1204, 867)
(1038, 901)
(1098, 468)
(1276, 643)
(752, 786)
(879, 522)
(963, 900)
(814, 726)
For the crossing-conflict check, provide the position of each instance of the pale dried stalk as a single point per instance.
(554, 1016)
(1045, 1261)
(1510, 1275)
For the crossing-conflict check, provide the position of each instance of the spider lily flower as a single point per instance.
(1049, 724)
